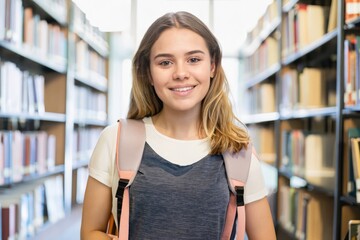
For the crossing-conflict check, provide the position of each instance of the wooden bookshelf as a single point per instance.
(312, 183)
(51, 114)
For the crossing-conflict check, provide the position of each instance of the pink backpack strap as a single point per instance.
(129, 151)
(237, 169)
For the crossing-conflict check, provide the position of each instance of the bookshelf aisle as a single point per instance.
(90, 86)
(308, 100)
(53, 101)
(261, 59)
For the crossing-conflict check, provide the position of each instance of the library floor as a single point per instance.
(68, 228)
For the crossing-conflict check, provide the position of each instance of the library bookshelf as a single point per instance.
(302, 83)
(53, 101)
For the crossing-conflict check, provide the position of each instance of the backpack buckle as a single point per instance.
(119, 195)
(121, 187)
(239, 195)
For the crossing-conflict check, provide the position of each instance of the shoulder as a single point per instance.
(109, 133)
(107, 139)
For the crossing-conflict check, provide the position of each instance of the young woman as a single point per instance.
(180, 191)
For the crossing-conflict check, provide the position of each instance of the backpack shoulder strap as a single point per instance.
(130, 145)
(129, 149)
(237, 167)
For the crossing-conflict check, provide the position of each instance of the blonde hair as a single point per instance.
(219, 123)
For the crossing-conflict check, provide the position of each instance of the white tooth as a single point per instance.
(182, 89)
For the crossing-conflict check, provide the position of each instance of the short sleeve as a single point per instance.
(101, 165)
(255, 188)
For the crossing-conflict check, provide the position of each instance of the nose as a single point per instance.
(180, 72)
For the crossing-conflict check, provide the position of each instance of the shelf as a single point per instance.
(49, 9)
(308, 113)
(351, 109)
(50, 135)
(31, 58)
(260, 118)
(349, 200)
(51, 117)
(258, 78)
(326, 41)
(100, 48)
(88, 81)
(288, 6)
(34, 177)
(352, 23)
(324, 185)
(250, 48)
(80, 163)
(92, 122)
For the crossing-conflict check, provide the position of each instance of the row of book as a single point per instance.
(25, 211)
(270, 15)
(20, 91)
(309, 88)
(305, 215)
(263, 138)
(308, 154)
(25, 154)
(84, 141)
(46, 38)
(89, 104)
(261, 98)
(266, 56)
(303, 25)
(24, 28)
(90, 64)
(93, 35)
(351, 70)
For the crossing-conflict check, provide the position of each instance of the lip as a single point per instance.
(182, 89)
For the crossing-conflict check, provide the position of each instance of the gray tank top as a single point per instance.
(168, 201)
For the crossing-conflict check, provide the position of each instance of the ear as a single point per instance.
(151, 80)
(212, 69)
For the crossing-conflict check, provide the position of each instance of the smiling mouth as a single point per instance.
(184, 89)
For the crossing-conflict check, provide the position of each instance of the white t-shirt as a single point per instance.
(102, 163)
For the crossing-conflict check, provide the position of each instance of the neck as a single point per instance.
(180, 126)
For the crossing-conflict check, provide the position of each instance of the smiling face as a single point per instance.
(181, 67)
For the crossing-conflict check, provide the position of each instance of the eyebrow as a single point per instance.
(170, 55)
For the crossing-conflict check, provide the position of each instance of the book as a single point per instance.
(2, 19)
(355, 150)
(8, 224)
(317, 17)
(311, 88)
(54, 198)
(354, 230)
(332, 24)
(289, 90)
(352, 10)
(351, 185)
(267, 99)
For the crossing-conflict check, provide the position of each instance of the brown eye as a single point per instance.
(165, 63)
(194, 60)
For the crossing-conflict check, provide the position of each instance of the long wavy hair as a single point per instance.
(218, 122)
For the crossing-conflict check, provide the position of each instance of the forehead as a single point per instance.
(179, 40)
